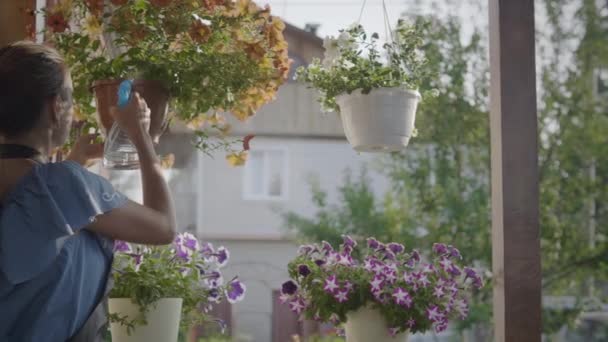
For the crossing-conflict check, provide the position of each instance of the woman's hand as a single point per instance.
(134, 118)
(86, 150)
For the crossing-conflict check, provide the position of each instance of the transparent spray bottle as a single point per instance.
(119, 151)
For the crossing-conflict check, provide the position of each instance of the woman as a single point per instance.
(57, 220)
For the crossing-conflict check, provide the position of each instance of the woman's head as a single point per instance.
(35, 93)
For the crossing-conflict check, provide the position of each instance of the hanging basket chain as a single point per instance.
(361, 13)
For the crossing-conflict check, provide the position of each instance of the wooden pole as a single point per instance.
(515, 193)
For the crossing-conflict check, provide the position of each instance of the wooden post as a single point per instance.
(515, 193)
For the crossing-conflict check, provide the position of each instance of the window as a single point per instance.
(266, 175)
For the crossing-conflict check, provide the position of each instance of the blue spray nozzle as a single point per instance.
(124, 92)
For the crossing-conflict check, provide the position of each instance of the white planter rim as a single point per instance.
(386, 90)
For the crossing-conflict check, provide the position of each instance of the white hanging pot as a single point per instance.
(163, 320)
(368, 325)
(381, 121)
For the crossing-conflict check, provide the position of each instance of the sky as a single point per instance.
(334, 15)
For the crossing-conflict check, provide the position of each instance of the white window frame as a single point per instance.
(265, 174)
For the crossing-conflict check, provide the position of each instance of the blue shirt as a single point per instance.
(52, 271)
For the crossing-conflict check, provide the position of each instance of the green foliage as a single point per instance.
(573, 151)
(441, 185)
(357, 213)
(354, 62)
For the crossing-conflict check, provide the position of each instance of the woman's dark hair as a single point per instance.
(30, 74)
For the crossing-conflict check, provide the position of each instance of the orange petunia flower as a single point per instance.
(211, 4)
(237, 158)
(200, 32)
(255, 51)
(57, 22)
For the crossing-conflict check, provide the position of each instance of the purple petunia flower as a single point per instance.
(438, 292)
(284, 298)
(373, 243)
(289, 287)
(441, 326)
(326, 246)
(452, 288)
(341, 296)
(304, 270)
(434, 314)
(402, 297)
(297, 305)
(236, 291)
(440, 248)
(369, 263)
(214, 295)
(344, 259)
(222, 256)
(396, 248)
(348, 241)
(415, 255)
(390, 276)
(462, 308)
(428, 268)
(207, 249)
(389, 255)
(445, 263)
(190, 241)
(305, 250)
(215, 279)
(348, 250)
(409, 278)
(454, 252)
(122, 247)
(470, 273)
(378, 268)
(423, 280)
(349, 286)
(410, 323)
(454, 270)
(392, 332)
(320, 262)
(331, 284)
(183, 253)
(377, 283)
(139, 259)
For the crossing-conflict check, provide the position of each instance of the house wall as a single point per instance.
(225, 213)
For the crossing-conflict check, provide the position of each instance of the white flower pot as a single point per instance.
(381, 121)
(163, 321)
(368, 325)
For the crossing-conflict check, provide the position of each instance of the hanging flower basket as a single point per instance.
(381, 121)
(199, 58)
(377, 99)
